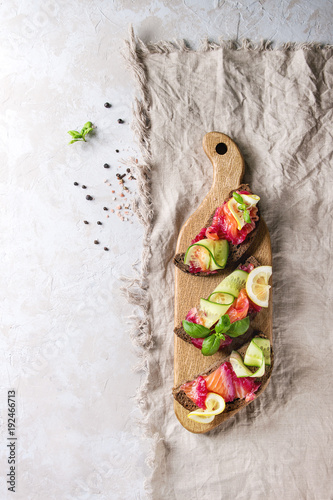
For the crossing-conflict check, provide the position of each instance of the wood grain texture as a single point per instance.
(188, 361)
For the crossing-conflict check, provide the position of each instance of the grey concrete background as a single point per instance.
(63, 336)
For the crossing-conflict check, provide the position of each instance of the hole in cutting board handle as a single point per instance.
(221, 148)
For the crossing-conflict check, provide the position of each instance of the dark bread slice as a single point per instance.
(185, 401)
(236, 252)
(180, 332)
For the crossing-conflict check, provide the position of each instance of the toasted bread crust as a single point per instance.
(236, 252)
(187, 403)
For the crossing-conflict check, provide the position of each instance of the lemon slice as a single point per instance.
(250, 200)
(201, 418)
(215, 405)
(257, 287)
(237, 214)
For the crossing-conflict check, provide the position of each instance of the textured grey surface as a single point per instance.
(63, 322)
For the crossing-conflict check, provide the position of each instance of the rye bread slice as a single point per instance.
(236, 252)
(187, 403)
(180, 332)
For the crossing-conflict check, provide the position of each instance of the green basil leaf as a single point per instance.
(247, 217)
(220, 336)
(87, 125)
(196, 331)
(223, 324)
(85, 132)
(210, 345)
(242, 207)
(74, 134)
(74, 140)
(238, 197)
(239, 327)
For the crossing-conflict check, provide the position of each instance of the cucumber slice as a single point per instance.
(213, 311)
(221, 253)
(214, 257)
(219, 250)
(241, 370)
(254, 355)
(199, 256)
(251, 355)
(222, 298)
(238, 366)
(233, 283)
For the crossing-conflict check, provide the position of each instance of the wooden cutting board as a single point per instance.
(228, 166)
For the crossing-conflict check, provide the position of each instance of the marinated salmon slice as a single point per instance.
(197, 391)
(222, 381)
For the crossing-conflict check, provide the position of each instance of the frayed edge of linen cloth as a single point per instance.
(141, 48)
(136, 289)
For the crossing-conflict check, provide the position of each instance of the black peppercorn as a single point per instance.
(106, 165)
(120, 120)
(76, 183)
(107, 105)
(88, 197)
(99, 223)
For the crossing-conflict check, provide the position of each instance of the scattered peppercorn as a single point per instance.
(117, 150)
(105, 208)
(118, 176)
(84, 187)
(106, 165)
(96, 242)
(128, 170)
(107, 105)
(106, 249)
(86, 222)
(99, 223)
(76, 183)
(120, 121)
(88, 197)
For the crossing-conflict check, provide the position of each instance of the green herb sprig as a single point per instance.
(214, 336)
(81, 136)
(242, 206)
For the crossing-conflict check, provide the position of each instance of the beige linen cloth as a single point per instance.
(277, 105)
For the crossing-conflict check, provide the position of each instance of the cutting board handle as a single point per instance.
(226, 158)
